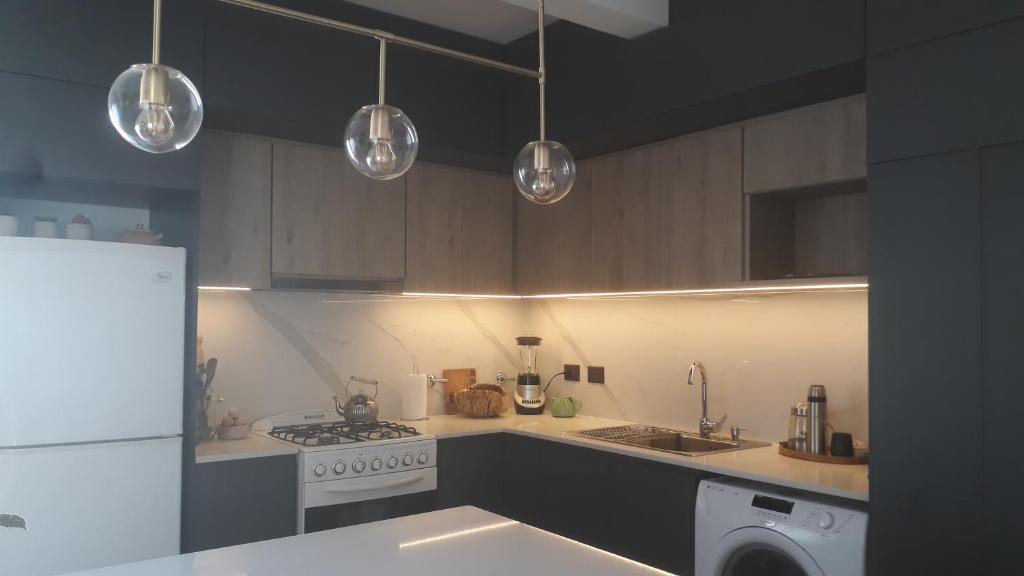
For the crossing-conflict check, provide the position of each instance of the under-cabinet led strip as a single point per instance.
(851, 286)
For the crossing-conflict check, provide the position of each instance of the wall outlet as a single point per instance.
(572, 373)
(595, 374)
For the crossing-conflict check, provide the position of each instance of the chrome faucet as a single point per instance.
(707, 425)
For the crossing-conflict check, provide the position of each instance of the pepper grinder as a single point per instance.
(818, 416)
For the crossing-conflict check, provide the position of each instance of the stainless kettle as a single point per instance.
(358, 408)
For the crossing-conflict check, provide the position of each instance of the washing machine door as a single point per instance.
(755, 551)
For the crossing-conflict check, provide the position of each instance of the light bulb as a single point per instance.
(155, 108)
(154, 124)
(544, 172)
(381, 158)
(381, 142)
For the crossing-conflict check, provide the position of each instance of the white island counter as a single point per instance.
(449, 542)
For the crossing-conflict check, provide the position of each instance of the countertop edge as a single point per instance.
(654, 456)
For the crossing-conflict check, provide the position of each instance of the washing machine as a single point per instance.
(748, 529)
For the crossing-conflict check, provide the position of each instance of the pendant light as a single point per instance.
(154, 107)
(544, 170)
(380, 140)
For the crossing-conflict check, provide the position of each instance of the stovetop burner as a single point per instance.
(341, 432)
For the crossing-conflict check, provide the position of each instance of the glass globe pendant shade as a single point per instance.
(544, 171)
(381, 142)
(155, 108)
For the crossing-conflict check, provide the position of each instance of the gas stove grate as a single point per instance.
(341, 432)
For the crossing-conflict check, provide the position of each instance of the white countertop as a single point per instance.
(758, 464)
(252, 446)
(447, 542)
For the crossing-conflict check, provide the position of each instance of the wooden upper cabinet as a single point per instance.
(807, 146)
(460, 231)
(669, 215)
(234, 212)
(331, 221)
(664, 216)
(553, 241)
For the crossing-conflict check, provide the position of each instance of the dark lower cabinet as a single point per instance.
(521, 474)
(469, 472)
(239, 501)
(575, 493)
(651, 509)
(636, 508)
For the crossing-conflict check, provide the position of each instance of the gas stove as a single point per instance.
(334, 433)
(343, 464)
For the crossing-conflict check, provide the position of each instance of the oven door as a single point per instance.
(755, 551)
(338, 503)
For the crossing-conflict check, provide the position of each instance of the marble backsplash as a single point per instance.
(282, 351)
(761, 354)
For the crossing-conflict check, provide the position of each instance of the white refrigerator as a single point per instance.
(91, 383)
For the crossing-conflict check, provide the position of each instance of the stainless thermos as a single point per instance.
(818, 416)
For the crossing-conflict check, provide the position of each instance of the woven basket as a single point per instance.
(482, 400)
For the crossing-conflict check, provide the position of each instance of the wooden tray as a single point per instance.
(860, 456)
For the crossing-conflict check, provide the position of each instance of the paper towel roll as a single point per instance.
(414, 397)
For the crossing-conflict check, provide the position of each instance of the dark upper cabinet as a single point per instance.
(469, 472)
(957, 92)
(651, 512)
(62, 130)
(892, 25)
(521, 475)
(92, 41)
(239, 501)
(1002, 244)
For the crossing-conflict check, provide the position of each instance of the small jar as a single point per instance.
(799, 425)
(44, 227)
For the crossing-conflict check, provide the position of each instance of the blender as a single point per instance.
(529, 397)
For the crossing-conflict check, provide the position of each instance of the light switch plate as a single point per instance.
(595, 374)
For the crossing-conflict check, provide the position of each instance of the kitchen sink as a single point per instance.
(667, 440)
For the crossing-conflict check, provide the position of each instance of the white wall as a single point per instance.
(287, 351)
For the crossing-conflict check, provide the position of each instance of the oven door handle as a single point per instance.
(363, 487)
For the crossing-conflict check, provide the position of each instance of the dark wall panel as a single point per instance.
(925, 372)
(55, 129)
(895, 24)
(961, 91)
(300, 81)
(91, 42)
(711, 49)
(1003, 318)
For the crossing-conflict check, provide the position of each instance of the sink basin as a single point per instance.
(667, 440)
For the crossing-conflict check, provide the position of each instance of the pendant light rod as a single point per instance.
(383, 69)
(542, 73)
(157, 5)
(381, 35)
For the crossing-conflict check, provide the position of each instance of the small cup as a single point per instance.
(842, 444)
(8, 225)
(44, 227)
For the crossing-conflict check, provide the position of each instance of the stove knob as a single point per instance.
(319, 470)
(422, 458)
(407, 460)
(358, 466)
(339, 467)
(392, 462)
(376, 464)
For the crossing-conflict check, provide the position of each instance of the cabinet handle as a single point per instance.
(375, 485)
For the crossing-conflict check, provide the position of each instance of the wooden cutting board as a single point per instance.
(457, 379)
